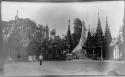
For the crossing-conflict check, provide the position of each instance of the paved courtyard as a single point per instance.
(72, 67)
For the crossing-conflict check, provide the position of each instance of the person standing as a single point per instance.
(40, 59)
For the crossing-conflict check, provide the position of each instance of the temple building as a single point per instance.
(97, 45)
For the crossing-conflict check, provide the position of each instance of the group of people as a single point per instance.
(33, 58)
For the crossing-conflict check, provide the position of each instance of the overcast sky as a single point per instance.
(56, 15)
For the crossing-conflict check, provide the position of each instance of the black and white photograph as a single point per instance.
(62, 38)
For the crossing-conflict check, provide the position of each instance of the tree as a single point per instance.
(77, 31)
(33, 34)
(17, 36)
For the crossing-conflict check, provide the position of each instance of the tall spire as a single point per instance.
(108, 36)
(68, 32)
(106, 27)
(69, 25)
(106, 21)
(83, 25)
(99, 22)
(16, 17)
(124, 20)
(69, 38)
(17, 12)
(89, 33)
(99, 28)
(89, 28)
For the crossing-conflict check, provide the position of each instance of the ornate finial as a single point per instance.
(99, 22)
(69, 24)
(99, 28)
(83, 22)
(83, 25)
(17, 12)
(98, 17)
(106, 21)
(124, 20)
(89, 28)
(16, 17)
(69, 21)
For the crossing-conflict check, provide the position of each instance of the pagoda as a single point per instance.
(94, 45)
(99, 40)
(69, 41)
(107, 42)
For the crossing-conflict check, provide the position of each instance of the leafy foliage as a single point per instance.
(77, 31)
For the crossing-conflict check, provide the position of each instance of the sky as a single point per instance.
(56, 15)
